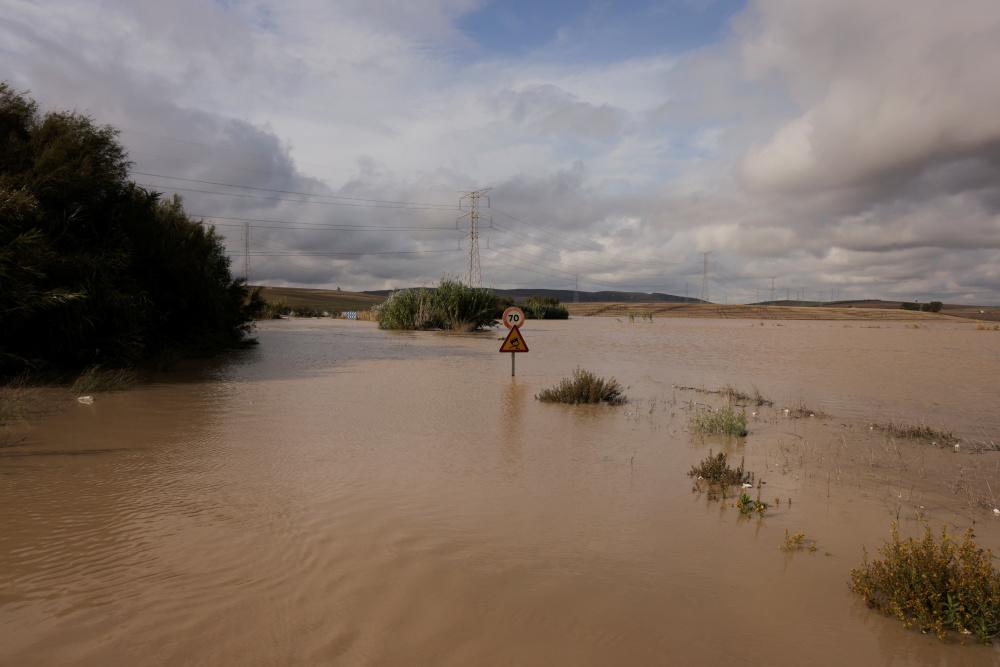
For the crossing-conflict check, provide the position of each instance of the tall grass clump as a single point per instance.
(724, 420)
(96, 380)
(936, 583)
(453, 305)
(584, 387)
(462, 307)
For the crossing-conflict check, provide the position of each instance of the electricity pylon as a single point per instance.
(474, 274)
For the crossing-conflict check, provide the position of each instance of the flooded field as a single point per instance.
(346, 496)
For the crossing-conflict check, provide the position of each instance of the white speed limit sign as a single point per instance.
(513, 317)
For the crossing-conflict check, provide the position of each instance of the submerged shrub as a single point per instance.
(915, 432)
(585, 387)
(724, 420)
(937, 584)
(715, 469)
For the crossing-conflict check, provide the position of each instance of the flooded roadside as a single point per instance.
(341, 495)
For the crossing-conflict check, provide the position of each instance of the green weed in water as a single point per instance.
(936, 583)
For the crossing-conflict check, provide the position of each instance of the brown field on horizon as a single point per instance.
(339, 301)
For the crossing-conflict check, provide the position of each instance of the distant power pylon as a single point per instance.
(704, 277)
(474, 274)
(246, 251)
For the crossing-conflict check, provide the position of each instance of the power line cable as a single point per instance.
(295, 201)
(448, 207)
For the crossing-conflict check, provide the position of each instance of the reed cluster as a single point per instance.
(452, 305)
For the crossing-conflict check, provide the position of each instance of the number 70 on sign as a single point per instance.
(513, 317)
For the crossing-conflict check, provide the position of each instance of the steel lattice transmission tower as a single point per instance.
(475, 275)
(246, 251)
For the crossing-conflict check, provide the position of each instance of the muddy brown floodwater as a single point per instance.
(341, 495)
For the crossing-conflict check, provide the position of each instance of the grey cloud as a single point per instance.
(549, 110)
(885, 88)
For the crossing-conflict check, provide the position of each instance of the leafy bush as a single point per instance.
(93, 268)
(724, 420)
(931, 307)
(936, 584)
(585, 387)
(453, 305)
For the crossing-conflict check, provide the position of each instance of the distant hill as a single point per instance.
(567, 296)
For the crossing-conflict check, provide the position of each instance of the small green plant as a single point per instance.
(748, 506)
(724, 420)
(584, 387)
(796, 542)
(938, 584)
(95, 380)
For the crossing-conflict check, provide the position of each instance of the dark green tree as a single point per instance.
(93, 268)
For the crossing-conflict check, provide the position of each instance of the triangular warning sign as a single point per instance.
(514, 342)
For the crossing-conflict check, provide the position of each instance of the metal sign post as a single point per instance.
(513, 343)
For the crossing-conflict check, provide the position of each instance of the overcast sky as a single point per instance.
(832, 148)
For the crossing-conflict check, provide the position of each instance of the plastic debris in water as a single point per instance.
(86, 399)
